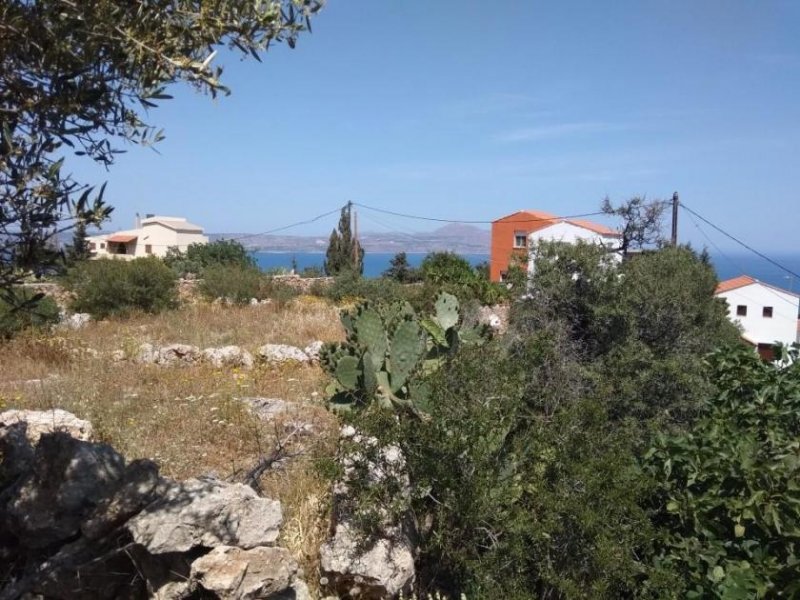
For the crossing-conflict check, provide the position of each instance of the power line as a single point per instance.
(737, 265)
(740, 242)
(285, 227)
(421, 218)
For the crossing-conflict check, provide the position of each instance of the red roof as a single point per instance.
(121, 238)
(745, 280)
(596, 227)
(533, 220)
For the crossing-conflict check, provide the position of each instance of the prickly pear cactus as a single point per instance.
(389, 349)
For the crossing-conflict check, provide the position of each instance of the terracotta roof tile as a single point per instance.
(596, 227)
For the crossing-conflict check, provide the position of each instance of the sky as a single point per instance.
(470, 110)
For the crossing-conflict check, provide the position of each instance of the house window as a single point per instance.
(92, 246)
(741, 310)
(148, 249)
(767, 312)
(102, 246)
(520, 239)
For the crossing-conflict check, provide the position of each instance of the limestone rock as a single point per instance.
(313, 350)
(178, 354)
(238, 574)
(76, 321)
(136, 489)
(67, 479)
(381, 569)
(281, 353)
(146, 354)
(39, 422)
(228, 356)
(206, 512)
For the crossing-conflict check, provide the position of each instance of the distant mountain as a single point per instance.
(455, 237)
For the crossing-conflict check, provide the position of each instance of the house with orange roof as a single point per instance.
(152, 236)
(765, 313)
(515, 236)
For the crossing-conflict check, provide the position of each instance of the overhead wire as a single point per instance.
(737, 264)
(473, 222)
(740, 242)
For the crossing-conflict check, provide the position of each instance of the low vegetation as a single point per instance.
(618, 441)
(110, 287)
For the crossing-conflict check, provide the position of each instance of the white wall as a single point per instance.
(782, 327)
(570, 234)
(155, 235)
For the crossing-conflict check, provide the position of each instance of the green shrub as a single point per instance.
(351, 285)
(235, 284)
(276, 290)
(729, 488)
(26, 310)
(109, 287)
(198, 257)
(449, 272)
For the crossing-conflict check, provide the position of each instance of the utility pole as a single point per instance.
(355, 235)
(675, 204)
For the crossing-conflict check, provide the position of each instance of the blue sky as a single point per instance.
(472, 109)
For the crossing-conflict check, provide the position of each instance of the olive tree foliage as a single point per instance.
(642, 222)
(78, 77)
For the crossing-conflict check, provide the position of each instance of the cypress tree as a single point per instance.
(344, 251)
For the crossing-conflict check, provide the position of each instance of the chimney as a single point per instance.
(137, 223)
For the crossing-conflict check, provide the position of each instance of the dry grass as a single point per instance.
(190, 419)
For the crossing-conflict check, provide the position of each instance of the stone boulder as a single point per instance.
(38, 422)
(380, 565)
(228, 356)
(282, 353)
(313, 351)
(146, 354)
(234, 573)
(67, 479)
(178, 354)
(76, 321)
(209, 513)
(361, 568)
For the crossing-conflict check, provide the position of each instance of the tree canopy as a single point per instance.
(78, 77)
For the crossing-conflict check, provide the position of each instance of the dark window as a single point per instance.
(767, 312)
(92, 246)
(520, 239)
(503, 275)
(741, 310)
(102, 245)
(148, 249)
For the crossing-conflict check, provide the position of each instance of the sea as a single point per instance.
(727, 265)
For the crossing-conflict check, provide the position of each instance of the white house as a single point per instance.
(153, 236)
(571, 231)
(767, 314)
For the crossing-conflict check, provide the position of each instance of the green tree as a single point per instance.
(643, 326)
(198, 257)
(728, 499)
(641, 222)
(344, 250)
(447, 267)
(400, 271)
(78, 250)
(78, 76)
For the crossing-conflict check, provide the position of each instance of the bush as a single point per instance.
(26, 310)
(449, 272)
(235, 284)
(729, 497)
(198, 257)
(523, 491)
(109, 287)
(350, 285)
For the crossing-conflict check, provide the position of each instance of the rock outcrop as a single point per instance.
(282, 353)
(78, 522)
(38, 422)
(228, 356)
(381, 564)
